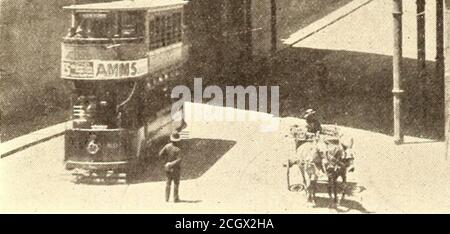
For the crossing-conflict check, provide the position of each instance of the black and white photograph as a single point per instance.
(225, 107)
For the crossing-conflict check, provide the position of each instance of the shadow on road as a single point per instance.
(344, 207)
(354, 89)
(347, 205)
(190, 201)
(352, 188)
(199, 155)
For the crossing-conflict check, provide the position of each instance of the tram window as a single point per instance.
(131, 24)
(97, 103)
(165, 30)
(177, 27)
(94, 25)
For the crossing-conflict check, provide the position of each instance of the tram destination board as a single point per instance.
(98, 69)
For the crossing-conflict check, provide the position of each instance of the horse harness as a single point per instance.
(336, 158)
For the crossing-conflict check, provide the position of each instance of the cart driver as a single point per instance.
(313, 125)
(172, 157)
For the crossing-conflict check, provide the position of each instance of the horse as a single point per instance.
(310, 156)
(339, 160)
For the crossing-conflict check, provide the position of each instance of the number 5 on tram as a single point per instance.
(120, 58)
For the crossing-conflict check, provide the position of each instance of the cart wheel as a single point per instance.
(297, 188)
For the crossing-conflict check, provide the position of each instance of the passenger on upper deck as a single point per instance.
(80, 33)
(71, 32)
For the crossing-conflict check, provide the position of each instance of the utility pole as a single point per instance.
(248, 35)
(421, 62)
(440, 68)
(273, 26)
(444, 9)
(397, 70)
(421, 37)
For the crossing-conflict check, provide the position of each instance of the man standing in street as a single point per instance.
(172, 167)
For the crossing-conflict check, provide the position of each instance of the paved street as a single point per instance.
(248, 177)
(243, 172)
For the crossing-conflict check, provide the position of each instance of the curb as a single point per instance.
(323, 23)
(20, 143)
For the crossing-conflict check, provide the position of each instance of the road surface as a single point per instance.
(248, 177)
(242, 172)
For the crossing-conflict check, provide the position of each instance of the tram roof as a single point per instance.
(127, 5)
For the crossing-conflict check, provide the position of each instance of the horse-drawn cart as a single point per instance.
(299, 135)
(327, 155)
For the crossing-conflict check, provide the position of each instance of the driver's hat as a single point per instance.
(309, 112)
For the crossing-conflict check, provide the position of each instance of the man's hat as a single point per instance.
(175, 137)
(309, 112)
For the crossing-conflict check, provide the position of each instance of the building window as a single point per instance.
(165, 30)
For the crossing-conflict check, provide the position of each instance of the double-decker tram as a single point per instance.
(121, 58)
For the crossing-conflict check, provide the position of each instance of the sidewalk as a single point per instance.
(325, 21)
(17, 144)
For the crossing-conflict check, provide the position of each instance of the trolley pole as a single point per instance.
(397, 70)
(72, 15)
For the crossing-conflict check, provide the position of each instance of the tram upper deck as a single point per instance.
(123, 39)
